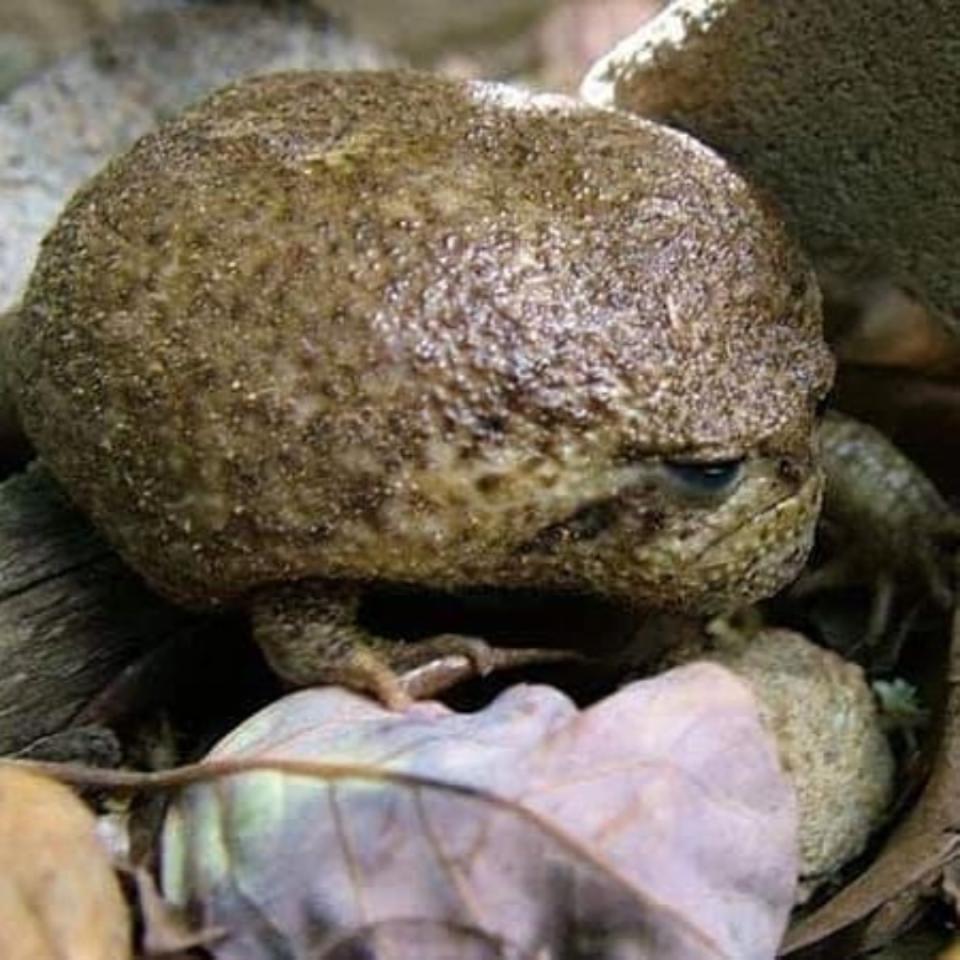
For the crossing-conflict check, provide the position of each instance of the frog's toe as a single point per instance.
(482, 657)
(366, 671)
(937, 581)
(431, 666)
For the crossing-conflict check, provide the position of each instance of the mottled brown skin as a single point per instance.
(327, 330)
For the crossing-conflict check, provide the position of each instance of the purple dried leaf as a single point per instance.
(657, 821)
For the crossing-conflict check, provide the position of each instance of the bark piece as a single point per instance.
(72, 616)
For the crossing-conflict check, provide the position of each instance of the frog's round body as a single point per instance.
(391, 327)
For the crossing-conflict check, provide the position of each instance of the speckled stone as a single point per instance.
(827, 727)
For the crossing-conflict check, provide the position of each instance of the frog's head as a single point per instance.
(678, 423)
(698, 535)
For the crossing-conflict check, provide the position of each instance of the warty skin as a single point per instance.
(329, 330)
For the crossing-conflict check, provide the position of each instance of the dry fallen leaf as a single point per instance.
(655, 823)
(59, 898)
(952, 952)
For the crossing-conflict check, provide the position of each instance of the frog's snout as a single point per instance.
(767, 551)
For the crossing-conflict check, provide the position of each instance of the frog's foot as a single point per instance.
(310, 637)
(884, 634)
(840, 572)
(934, 569)
(365, 671)
(309, 634)
(881, 610)
(430, 666)
(405, 655)
(894, 530)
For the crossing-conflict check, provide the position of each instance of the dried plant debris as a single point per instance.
(876, 324)
(59, 898)
(657, 820)
(61, 127)
(846, 112)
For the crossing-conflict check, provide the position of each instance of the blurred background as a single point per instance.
(549, 41)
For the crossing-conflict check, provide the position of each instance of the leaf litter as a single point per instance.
(657, 821)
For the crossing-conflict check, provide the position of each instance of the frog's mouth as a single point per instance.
(708, 558)
(758, 556)
(792, 513)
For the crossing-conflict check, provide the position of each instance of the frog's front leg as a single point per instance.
(891, 528)
(310, 634)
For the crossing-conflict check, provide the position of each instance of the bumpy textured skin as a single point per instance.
(387, 326)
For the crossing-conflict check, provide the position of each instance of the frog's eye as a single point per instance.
(703, 480)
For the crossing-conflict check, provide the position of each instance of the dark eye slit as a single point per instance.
(708, 477)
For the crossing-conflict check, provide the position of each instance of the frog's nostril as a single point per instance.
(790, 471)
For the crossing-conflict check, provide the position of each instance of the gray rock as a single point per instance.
(846, 111)
(34, 33)
(62, 126)
(425, 30)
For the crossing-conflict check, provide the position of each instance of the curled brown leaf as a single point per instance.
(59, 898)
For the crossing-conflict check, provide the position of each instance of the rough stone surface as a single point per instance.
(31, 34)
(847, 112)
(827, 726)
(427, 29)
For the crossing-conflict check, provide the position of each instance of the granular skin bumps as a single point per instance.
(390, 327)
